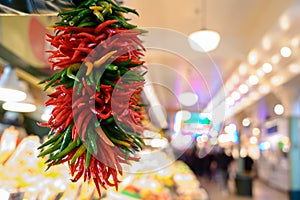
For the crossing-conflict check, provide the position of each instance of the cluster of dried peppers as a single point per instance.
(96, 121)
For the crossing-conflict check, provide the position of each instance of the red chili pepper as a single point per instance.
(88, 89)
(101, 26)
(69, 29)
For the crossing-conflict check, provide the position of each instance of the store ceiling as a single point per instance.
(172, 68)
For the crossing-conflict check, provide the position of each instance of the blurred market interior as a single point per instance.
(242, 96)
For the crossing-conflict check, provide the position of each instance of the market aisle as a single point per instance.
(261, 191)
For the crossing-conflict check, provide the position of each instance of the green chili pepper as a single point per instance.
(88, 155)
(49, 141)
(99, 15)
(53, 148)
(107, 9)
(70, 12)
(115, 6)
(130, 10)
(89, 80)
(87, 3)
(111, 67)
(124, 63)
(92, 140)
(122, 22)
(113, 76)
(67, 138)
(67, 150)
(71, 69)
(86, 24)
(78, 153)
(52, 79)
(110, 120)
(75, 20)
(80, 86)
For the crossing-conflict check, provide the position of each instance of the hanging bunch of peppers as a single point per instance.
(95, 125)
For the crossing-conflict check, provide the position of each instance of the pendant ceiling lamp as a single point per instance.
(204, 40)
(25, 106)
(10, 89)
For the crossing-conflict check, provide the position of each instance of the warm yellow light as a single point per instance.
(253, 80)
(295, 42)
(243, 69)
(264, 89)
(11, 95)
(19, 107)
(10, 86)
(229, 101)
(284, 22)
(246, 122)
(188, 98)
(255, 131)
(294, 68)
(285, 52)
(236, 95)
(278, 109)
(267, 67)
(253, 140)
(266, 43)
(254, 95)
(252, 57)
(276, 80)
(243, 89)
(275, 59)
(204, 40)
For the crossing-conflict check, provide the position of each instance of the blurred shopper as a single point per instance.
(248, 165)
(223, 162)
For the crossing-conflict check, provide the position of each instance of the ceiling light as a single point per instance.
(295, 42)
(255, 131)
(294, 68)
(229, 87)
(264, 89)
(10, 87)
(276, 80)
(229, 101)
(285, 52)
(246, 122)
(254, 95)
(284, 22)
(236, 95)
(235, 79)
(278, 109)
(260, 72)
(253, 140)
(243, 88)
(267, 67)
(252, 57)
(25, 106)
(19, 106)
(184, 115)
(266, 43)
(275, 59)
(188, 98)
(243, 69)
(253, 80)
(204, 40)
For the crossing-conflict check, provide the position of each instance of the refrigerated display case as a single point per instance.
(273, 166)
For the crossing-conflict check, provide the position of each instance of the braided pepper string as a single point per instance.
(95, 125)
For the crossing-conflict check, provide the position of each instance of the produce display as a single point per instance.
(96, 123)
(20, 157)
(173, 182)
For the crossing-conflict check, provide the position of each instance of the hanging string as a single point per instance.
(203, 14)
